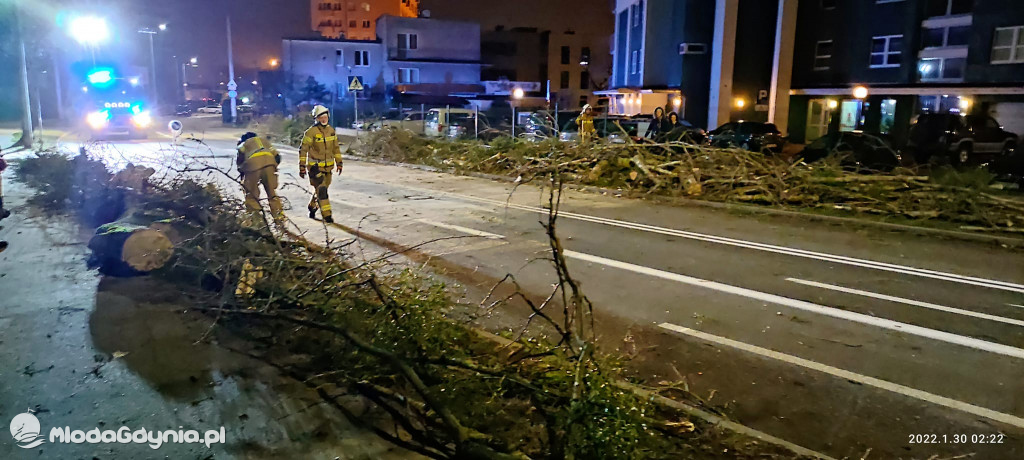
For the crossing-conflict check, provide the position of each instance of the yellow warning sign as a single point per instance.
(355, 84)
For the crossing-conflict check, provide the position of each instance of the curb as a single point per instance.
(1005, 241)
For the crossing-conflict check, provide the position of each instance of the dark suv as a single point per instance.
(748, 135)
(961, 139)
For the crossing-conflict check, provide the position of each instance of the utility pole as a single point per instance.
(26, 102)
(232, 86)
(152, 65)
(57, 84)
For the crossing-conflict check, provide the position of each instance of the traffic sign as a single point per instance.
(232, 85)
(355, 83)
(232, 94)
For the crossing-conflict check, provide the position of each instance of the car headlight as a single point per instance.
(142, 119)
(98, 120)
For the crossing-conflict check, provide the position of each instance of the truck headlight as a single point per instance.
(142, 119)
(97, 120)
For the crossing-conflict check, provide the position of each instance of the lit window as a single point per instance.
(633, 65)
(1008, 45)
(886, 51)
(941, 69)
(823, 55)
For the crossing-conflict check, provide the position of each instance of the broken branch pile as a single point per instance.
(715, 174)
(383, 349)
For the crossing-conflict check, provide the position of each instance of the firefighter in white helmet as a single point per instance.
(322, 153)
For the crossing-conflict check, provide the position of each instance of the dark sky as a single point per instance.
(196, 27)
(591, 16)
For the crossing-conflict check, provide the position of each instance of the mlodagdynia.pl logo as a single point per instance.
(25, 430)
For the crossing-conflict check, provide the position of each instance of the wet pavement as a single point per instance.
(85, 352)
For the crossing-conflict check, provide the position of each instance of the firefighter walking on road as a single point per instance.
(320, 145)
(257, 163)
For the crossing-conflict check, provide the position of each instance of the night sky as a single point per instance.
(592, 16)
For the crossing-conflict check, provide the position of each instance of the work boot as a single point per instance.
(312, 213)
(329, 220)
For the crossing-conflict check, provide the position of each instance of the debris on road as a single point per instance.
(718, 174)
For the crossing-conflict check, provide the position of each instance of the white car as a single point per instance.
(210, 109)
(438, 120)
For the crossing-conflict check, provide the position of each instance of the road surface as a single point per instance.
(840, 339)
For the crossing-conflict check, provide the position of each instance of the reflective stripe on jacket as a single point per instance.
(256, 153)
(320, 145)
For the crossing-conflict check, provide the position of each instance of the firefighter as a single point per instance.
(257, 163)
(320, 145)
(585, 122)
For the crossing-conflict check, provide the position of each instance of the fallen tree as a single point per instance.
(716, 174)
(426, 382)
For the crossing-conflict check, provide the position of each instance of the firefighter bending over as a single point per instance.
(257, 163)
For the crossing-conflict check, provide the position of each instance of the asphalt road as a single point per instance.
(839, 339)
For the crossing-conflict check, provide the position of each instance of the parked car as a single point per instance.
(960, 139)
(855, 150)
(470, 128)
(748, 135)
(541, 124)
(436, 122)
(411, 122)
(183, 110)
(212, 108)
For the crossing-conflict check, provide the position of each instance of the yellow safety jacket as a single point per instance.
(320, 144)
(255, 154)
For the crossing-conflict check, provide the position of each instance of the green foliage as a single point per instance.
(974, 178)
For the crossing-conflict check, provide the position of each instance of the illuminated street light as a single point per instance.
(194, 61)
(740, 102)
(860, 92)
(89, 30)
(677, 102)
(254, 83)
(163, 26)
(274, 62)
(517, 93)
(245, 100)
(134, 81)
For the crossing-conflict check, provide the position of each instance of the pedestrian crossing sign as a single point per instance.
(355, 83)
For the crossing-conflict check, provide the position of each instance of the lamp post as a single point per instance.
(517, 94)
(193, 62)
(152, 61)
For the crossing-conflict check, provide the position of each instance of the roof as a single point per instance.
(331, 40)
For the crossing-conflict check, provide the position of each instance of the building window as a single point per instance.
(948, 7)
(828, 4)
(886, 51)
(1008, 45)
(366, 24)
(408, 76)
(945, 36)
(563, 82)
(584, 80)
(565, 55)
(585, 55)
(408, 41)
(637, 10)
(362, 58)
(693, 48)
(634, 62)
(941, 69)
(352, 24)
(823, 55)
(339, 58)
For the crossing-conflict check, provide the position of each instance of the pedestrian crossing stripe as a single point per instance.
(355, 84)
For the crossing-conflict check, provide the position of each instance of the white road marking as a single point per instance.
(947, 337)
(952, 277)
(468, 231)
(916, 303)
(854, 377)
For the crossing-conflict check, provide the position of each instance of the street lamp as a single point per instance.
(274, 62)
(517, 94)
(860, 92)
(163, 26)
(193, 61)
(740, 102)
(89, 30)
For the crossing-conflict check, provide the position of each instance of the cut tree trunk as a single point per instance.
(125, 249)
